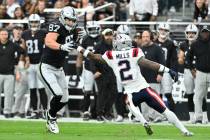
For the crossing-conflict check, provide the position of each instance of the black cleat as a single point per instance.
(148, 129)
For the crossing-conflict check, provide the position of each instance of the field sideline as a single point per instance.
(76, 129)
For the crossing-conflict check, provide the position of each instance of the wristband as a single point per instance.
(163, 69)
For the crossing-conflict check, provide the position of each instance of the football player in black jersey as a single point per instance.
(170, 53)
(191, 35)
(34, 43)
(88, 42)
(59, 41)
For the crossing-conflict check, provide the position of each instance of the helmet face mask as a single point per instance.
(164, 30)
(34, 22)
(68, 18)
(122, 42)
(93, 29)
(191, 32)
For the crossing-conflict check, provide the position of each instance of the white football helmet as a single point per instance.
(123, 29)
(93, 29)
(122, 42)
(68, 13)
(34, 22)
(191, 28)
(166, 27)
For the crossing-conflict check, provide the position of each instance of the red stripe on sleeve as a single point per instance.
(109, 54)
(135, 52)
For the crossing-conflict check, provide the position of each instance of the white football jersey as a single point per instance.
(126, 68)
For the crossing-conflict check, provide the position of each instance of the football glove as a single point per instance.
(67, 47)
(174, 75)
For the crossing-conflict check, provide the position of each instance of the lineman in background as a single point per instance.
(200, 50)
(191, 34)
(21, 85)
(171, 61)
(88, 42)
(34, 43)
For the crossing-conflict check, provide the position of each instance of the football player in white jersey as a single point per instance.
(125, 62)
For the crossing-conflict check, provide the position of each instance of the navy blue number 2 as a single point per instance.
(126, 68)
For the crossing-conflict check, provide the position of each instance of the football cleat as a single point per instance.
(148, 129)
(51, 124)
(86, 116)
(34, 115)
(188, 134)
(119, 118)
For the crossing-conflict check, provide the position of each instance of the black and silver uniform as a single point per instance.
(170, 53)
(89, 43)
(185, 47)
(56, 57)
(34, 44)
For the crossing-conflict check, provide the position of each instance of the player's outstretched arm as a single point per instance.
(90, 55)
(157, 67)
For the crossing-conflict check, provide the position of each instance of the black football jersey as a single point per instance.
(34, 44)
(170, 53)
(185, 47)
(56, 57)
(89, 43)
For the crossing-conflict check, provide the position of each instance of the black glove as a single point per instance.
(174, 75)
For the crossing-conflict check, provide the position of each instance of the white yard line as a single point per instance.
(126, 121)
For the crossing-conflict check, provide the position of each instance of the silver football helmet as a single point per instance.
(34, 22)
(122, 42)
(123, 29)
(163, 30)
(191, 28)
(93, 29)
(68, 13)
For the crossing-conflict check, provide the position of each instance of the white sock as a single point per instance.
(205, 116)
(191, 114)
(172, 118)
(136, 112)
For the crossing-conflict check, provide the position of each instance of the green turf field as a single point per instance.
(26, 130)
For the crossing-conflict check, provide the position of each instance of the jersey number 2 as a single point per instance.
(126, 68)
